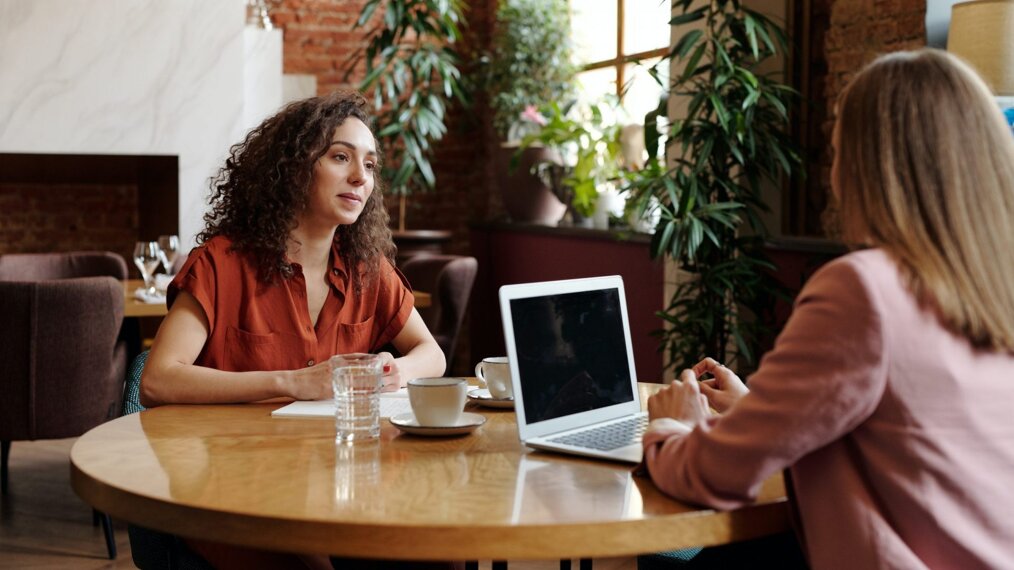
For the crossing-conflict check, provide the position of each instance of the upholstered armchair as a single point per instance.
(63, 365)
(449, 280)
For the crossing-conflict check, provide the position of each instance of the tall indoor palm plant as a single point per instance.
(730, 141)
(413, 74)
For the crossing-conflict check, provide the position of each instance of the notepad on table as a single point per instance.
(391, 404)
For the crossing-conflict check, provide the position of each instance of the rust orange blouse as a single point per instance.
(257, 326)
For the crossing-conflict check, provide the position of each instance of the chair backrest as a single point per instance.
(63, 364)
(449, 280)
(43, 266)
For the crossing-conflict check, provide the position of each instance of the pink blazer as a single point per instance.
(899, 434)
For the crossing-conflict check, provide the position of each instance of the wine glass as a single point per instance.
(147, 256)
(170, 246)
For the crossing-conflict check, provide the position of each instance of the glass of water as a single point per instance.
(147, 256)
(356, 379)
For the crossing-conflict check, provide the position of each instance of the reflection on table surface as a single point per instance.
(235, 474)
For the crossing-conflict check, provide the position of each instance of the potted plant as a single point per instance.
(412, 73)
(586, 140)
(529, 65)
(730, 140)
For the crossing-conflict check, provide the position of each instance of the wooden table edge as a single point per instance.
(341, 538)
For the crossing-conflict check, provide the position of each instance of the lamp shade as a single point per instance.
(982, 33)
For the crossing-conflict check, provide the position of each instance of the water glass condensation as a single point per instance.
(356, 379)
(147, 256)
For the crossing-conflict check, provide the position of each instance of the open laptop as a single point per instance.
(572, 367)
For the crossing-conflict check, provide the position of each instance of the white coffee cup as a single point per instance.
(437, 402)
(494, 373)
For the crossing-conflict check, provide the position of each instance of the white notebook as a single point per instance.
(391, 404)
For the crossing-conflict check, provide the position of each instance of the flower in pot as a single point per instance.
(530, 64)
(586, 138)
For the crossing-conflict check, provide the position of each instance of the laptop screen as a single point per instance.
(571, 353)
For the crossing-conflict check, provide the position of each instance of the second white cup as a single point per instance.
(495, 374)
(437, 402)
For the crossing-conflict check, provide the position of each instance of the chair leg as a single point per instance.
(565, 564)
(107, 530)
(585, 564)
(5, 452)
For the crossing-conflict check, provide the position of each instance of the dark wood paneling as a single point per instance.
(520, 254)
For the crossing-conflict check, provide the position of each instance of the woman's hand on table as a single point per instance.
(392, 380)
(312, 382)
(724, 389)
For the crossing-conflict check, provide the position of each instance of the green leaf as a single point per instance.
(685, 43)
(692, 64)
(719, 107)
(688, 17)
(367, 12)
(751, 33)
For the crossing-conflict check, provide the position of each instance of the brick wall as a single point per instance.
(66, 217)
(856, 32)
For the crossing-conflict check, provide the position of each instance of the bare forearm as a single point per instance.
(422, 361)
(190, 384)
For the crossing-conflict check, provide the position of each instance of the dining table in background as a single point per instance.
(134, 307)
(234, 474)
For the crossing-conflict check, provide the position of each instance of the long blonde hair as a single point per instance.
(926, 172)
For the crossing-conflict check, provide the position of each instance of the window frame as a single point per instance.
(620, 60)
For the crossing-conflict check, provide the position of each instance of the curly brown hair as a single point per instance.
(266, 182)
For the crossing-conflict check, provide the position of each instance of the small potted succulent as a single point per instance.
(529, 65)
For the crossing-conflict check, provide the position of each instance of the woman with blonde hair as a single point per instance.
(888, 395)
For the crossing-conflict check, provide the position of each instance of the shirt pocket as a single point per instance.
(355, 337)
(246, 351)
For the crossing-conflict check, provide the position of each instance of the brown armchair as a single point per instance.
(63, 362)
(449, 280)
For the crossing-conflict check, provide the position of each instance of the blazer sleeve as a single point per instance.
(825, 376)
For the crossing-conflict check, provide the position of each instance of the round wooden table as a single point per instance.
(234, 474)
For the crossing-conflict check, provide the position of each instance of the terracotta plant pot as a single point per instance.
(526, 198)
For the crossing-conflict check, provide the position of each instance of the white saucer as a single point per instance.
(467, 424)
(482, 397)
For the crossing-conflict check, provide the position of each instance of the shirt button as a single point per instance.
(309, 362)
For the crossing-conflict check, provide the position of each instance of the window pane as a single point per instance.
(642, 90)
(593, 24)
(645, 25)
(597, 84)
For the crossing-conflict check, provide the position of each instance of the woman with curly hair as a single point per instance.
(294, 266)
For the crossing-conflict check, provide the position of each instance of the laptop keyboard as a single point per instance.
(607, 437)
